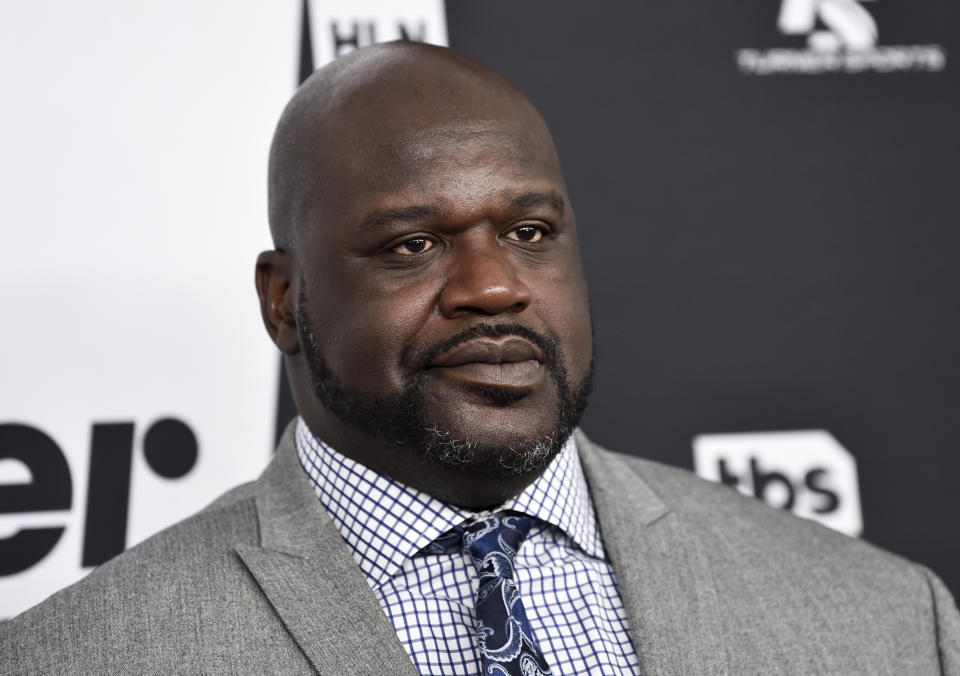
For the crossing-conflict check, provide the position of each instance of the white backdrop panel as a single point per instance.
(134, 145)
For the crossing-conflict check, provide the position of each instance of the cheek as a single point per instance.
(566, 310)
(369, 335)
(579, 349)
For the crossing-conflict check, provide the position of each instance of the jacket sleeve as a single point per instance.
(948, 625)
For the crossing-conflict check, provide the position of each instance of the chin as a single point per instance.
(495, 440)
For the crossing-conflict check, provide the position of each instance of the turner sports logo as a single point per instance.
(807, 472)
(841, 37)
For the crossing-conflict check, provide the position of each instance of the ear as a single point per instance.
(276, 286)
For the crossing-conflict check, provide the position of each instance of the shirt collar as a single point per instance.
(560, 497)
(385, 522)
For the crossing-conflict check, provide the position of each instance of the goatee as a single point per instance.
(402, 420)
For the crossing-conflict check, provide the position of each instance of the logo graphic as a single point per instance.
(848, 24)
(842, 37)
(806, 472)
(35, 477)
(340, 27)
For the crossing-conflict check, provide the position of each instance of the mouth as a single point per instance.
(508, 362)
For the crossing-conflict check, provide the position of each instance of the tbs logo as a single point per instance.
(807, 472)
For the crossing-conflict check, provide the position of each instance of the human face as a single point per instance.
(442, 296)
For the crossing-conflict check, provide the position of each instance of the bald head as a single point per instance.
(372, 104)
(426, 287)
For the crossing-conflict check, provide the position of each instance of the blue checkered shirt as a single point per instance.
(565, 581)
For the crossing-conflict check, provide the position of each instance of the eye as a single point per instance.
(416, 245)
(526, 233)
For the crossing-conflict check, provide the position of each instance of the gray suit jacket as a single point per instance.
(260, 582)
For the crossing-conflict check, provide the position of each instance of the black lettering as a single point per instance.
(411, 36)
(170, 448)
(831, 500)
(762, 480)
(50, 489)
(344, 43)
(306, 49)
(27, 548)
(727, 477)
(108, 492)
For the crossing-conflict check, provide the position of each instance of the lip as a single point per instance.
(510, 362)
(508, 350)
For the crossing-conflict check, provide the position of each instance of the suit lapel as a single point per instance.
(664, 579)
(306, 571)
(308, 574)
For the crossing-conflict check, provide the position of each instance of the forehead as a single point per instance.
(466, 159)
(457, 156)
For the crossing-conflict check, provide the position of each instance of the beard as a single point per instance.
(403, 421)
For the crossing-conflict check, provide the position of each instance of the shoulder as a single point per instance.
(749, 543)
(159, 605)
(710, 506)
(193, 549)
(197, 547)
(773, 537)
(771, 581)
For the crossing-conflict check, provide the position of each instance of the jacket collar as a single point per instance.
(662, 571)
(311, 580)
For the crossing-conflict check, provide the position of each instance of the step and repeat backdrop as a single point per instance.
(765, 197)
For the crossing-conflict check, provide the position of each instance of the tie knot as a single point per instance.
(493, 542)
(503, 532)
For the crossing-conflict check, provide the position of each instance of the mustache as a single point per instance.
(428, 355)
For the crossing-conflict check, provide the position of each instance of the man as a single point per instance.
(430, 512)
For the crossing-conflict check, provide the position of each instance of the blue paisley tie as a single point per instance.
(504, 635)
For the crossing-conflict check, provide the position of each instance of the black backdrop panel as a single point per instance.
(764, 252)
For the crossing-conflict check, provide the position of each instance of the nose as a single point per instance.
(484, 280)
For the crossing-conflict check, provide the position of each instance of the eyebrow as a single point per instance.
(382, 217)
(379, 218)
(538, 199)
